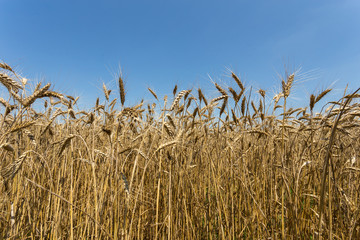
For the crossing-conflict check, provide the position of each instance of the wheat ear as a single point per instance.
(122, 90)
(178, 98)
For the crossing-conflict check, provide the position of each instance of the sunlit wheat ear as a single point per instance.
(22, 125)
(70, 97)
(171, 120)
(91, 118)
(9, 83)
(168, 129)
(4, 102)
(260, 109)
(178, 98)
(312, 102)
(31, 99)
(57, 113)
(235, 96)
(321, 95)
(234, 116)
(287, 86)
(222, 91)
(6, 67)
(237, 80)
(190, 99)
(254, 108)
(72, 113)
(222, 109)
(187, 94)
(219, 98)
(243, 102)
(106, 93)
(38, 85)
(8, 107)
(277, 98)
(11, 170)
(153, 93)
(65, 144)
(53, 94)
(112, 104)
(202, 97)
(180, 109)
(175, 90)
(196, 110)
(122, 89)
(262, 92)
(16, 96)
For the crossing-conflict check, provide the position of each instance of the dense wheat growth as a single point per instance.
(240, 166)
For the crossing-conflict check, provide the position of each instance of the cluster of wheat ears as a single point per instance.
(181, 168)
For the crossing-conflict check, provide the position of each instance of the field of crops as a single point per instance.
(240, 166)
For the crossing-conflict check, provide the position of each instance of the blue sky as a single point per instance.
(78, 45)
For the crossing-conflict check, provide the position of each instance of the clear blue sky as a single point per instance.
(77, 45)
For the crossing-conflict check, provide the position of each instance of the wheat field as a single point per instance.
(242, 165)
